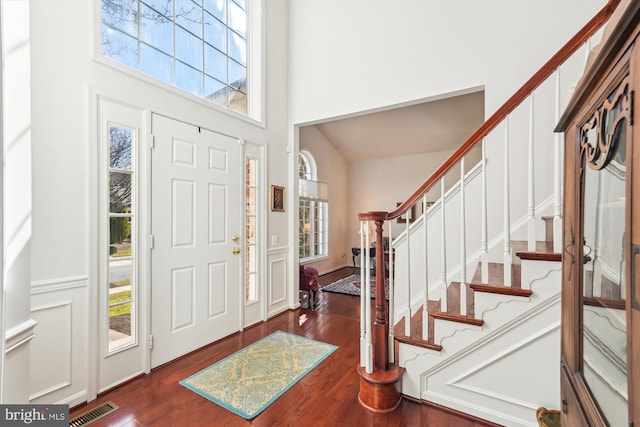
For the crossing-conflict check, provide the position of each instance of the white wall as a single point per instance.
(333, 169)
(65, 78)
(354, 55)
(18, 327)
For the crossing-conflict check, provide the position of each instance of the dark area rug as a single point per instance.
(351, 286)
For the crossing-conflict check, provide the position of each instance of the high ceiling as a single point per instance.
(433, 126)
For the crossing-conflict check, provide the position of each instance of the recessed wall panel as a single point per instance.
(217, 284)
(52, 332)
(182, 297)
(277, 281)
(217, 213)
(182, 213)
(217, 160)
(183, 153)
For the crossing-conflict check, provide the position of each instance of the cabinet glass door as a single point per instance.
(603, 144)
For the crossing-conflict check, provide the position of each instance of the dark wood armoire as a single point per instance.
(600, 363)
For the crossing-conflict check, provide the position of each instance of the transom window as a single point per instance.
(313, 208)
(199, 46)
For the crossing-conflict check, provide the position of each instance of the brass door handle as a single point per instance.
(235, 238)
(235, 250)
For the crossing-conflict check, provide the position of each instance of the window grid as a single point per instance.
(251, 285)
(122, 223)
(192, 74)
(312, 227)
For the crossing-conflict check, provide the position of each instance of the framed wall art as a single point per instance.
(277, 198)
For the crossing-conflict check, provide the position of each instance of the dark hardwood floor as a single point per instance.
(327, 396)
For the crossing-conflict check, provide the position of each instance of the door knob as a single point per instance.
(235, 250)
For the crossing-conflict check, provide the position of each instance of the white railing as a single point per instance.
(484, 231)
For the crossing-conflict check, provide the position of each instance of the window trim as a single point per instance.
(255, 66)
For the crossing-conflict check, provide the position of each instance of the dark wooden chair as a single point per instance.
(309, 283)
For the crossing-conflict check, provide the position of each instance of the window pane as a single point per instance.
(251, 230)
(251, 172)
(156, 30)
(215, 32)
(250, 291)
(119, 237)
(120, 332)
(119, 47)
(217, 9)
(251, 258)
(215, 91)
(156, 64)
(215, 63)
(237, 48)
(251, 201)
(119, 192)
(237, 19)
(120, 148)
(189, 16)
(120, 269)
(164, 7)
(188, 48)
(237, 75)
(121, 14)
(237, 101)
(188, 79)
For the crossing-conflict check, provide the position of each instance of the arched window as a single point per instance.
(313, 227)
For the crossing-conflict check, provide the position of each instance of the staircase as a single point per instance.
(474, 309)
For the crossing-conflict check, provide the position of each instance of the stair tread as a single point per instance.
(419, 342)
(503, 290)
(544, 251)
(496, 275)
(456, 318)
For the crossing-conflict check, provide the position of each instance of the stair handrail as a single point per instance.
(565, 52)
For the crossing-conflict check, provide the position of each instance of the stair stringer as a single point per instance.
(532, 272)
(475, 373)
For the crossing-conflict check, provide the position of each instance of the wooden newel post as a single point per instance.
(380, 390)
(381, 324)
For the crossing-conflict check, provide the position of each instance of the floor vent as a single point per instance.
(92, 415)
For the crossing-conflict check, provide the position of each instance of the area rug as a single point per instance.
(248, 381)
(351, 286)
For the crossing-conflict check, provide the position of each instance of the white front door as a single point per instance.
(196, 226)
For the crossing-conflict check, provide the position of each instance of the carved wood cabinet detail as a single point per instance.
(600, 327)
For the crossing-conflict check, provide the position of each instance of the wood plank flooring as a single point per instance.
(327, 396)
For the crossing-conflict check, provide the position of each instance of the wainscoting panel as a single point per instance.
(58, 361)
(53, 339)
(278, 284)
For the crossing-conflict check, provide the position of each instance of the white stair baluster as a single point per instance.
(484, 240)
(507, 209)
(557, 174)
(463, 245)
(443, 255)
(407, 319)
(425, 305)
(531, 208)
(366, 290)
(363, 319)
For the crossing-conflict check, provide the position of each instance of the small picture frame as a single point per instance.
(277, 198)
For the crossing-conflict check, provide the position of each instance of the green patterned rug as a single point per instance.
(248, 381)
